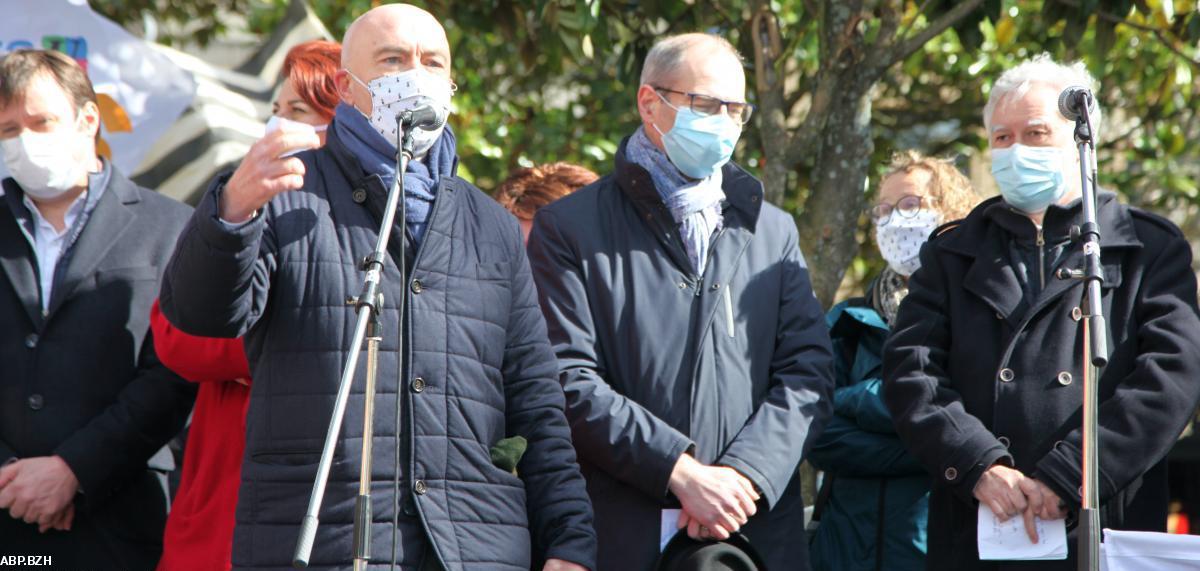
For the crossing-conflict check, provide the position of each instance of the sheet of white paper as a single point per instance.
(1007, 541)
(1149, 551)
(668, 527)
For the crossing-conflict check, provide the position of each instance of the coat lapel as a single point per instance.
(16, 260)
(105, 225)
(993, 279)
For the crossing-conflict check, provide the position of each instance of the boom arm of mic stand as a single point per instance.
(367, 305)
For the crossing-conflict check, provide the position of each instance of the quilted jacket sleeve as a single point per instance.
(560, 512)
(217, 281)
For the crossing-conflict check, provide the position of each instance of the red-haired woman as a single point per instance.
(528, 189)
(199, 532)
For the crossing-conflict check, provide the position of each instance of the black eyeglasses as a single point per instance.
(908, 206)
(706, 105)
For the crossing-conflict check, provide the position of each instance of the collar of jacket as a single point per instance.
(984, 235)
(853, 314)
(356, 175)
(969, 239)
(743, 192)
(107, 222)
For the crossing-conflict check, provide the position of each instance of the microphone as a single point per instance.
(427, 117)
(1075, 101)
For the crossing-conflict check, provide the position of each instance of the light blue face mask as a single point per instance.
(1030, 178)
(698, 144)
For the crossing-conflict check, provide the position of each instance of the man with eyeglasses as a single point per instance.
(695, 359)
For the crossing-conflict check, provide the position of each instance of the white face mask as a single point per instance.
(276, 123)
(43, 164)
(900, 240)
(391, 94)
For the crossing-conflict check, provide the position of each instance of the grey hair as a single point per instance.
(667, 54)
(1040, 69)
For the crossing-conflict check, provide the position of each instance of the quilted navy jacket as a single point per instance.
(478, 369)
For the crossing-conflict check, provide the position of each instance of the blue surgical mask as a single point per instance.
(1030, 178)
(698, 144)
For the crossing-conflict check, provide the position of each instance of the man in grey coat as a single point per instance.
(694, 356)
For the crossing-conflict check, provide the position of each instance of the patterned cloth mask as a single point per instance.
(900, 240)
(392, 94)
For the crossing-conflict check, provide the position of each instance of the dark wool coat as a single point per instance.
(975, 374)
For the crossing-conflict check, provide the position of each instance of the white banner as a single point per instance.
(141, 92)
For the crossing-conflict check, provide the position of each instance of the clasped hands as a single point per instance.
(716, 500)
(1009, 493)
(39, 491)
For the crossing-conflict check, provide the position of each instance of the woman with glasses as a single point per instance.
(874, 496)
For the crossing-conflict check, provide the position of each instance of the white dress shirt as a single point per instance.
(48, 243)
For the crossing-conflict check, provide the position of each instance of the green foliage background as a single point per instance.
(547, 80)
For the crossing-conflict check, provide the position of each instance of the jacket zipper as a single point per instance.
(712, 246)
(1041, 245)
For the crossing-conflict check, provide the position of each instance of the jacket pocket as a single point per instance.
(493, 271)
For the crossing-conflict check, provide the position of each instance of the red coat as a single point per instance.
(199, 532)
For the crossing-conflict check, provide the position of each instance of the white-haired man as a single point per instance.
(695, 358)
(982, 372)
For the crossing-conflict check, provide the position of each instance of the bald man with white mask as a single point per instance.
(273, 252)
(694, 356)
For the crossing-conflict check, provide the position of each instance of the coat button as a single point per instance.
(420, 488)
(418, 385)
(716, 287)
(35, 402)
(31, 340)
(417, 288)
(951, 474)
(1007, 375)
(682, 285)
(1076, 314)
(1004, 441)
(1064, 378)
(999, 316)
(359, 195)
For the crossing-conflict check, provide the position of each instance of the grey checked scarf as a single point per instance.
(694, 204)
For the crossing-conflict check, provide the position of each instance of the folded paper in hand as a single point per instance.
(1008, 541)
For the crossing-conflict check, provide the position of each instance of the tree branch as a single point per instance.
(1159, 33)
(911, 45)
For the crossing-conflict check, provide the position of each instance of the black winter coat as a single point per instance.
(81, 379)
(655, 360)
(478, 369)
(975, 374)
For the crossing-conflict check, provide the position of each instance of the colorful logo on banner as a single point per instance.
(113, 117)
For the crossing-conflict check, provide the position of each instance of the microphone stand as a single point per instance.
(367, 305)
(1095, 340)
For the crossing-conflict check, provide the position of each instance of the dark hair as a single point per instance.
(528, 189)
(311, 68)
(19, 68)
